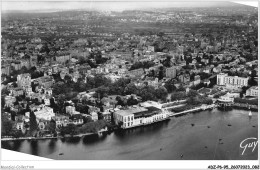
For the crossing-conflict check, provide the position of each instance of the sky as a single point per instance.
(106, 5)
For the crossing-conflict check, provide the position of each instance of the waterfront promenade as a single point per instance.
(203, 107)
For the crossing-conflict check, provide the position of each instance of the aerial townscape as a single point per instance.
(75, 73)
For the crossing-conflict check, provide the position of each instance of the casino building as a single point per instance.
(139, 116)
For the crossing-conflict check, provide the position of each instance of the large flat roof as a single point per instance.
(149, 112)
(139, 111)
(131, 111)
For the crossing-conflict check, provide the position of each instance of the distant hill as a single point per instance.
(121, 6)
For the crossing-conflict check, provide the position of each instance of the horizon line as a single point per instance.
(8, 6)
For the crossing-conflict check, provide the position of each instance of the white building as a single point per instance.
(47, 101)
(150, 48)
(221, 79)
(229, 97)
(231, 81)
(61, 120)
(20, 125)
(138, 116)
(77, 119)
(9, 101)
(150, 104)
(252, 91)
(94, 116)
(24, 80)
(46, 113)
(196, 80)
(70, 110)
(171, 72)
(226, 98)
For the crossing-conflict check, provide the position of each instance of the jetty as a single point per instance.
(203, 107)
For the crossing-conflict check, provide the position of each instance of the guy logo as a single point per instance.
(248, 143)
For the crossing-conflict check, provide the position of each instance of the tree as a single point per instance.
(70, 95)
(120, 101)
(100, 80)
(82, 60)
(252, 82)
(33, 124)
(70, 129)
(131, 101)
(102, 92)
(17, 133)
(24, 70)
(4, 91)
(2, 102)
(118, 87)
(93, 127)
(178, 95)
(130, 89)
(198, 59)
(169, 85)
(60, 99)
(100, 116)
(161, 34)
(82, 108)
(14, 84)
(146, 64)
(52, 126)
(52, 103)
(87, 119)
(32, 69)
(6, 126)
(192, 93)
(244, 89)
(161, 73)
(181, 88)
(204, 75)
(67, 79)
(59, 88)
(253, 73)
(167, 61)
(193, 101)
(161, 93)
(80, 86)
(148, 93)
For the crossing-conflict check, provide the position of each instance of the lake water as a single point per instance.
(215, 135)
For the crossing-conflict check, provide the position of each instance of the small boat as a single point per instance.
(250, 113)
(60, 153)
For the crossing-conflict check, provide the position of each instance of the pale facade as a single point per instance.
(171, 72)
(138, 116)
(46, 113)
(231, 81)
(70, 110)
(24, 80)
(252, 91)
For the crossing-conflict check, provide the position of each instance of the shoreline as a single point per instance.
(58, 137)
(200, 108)
(196, 109)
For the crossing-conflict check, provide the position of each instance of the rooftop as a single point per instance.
(139, 111)
(254, 88)
(131, 111)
